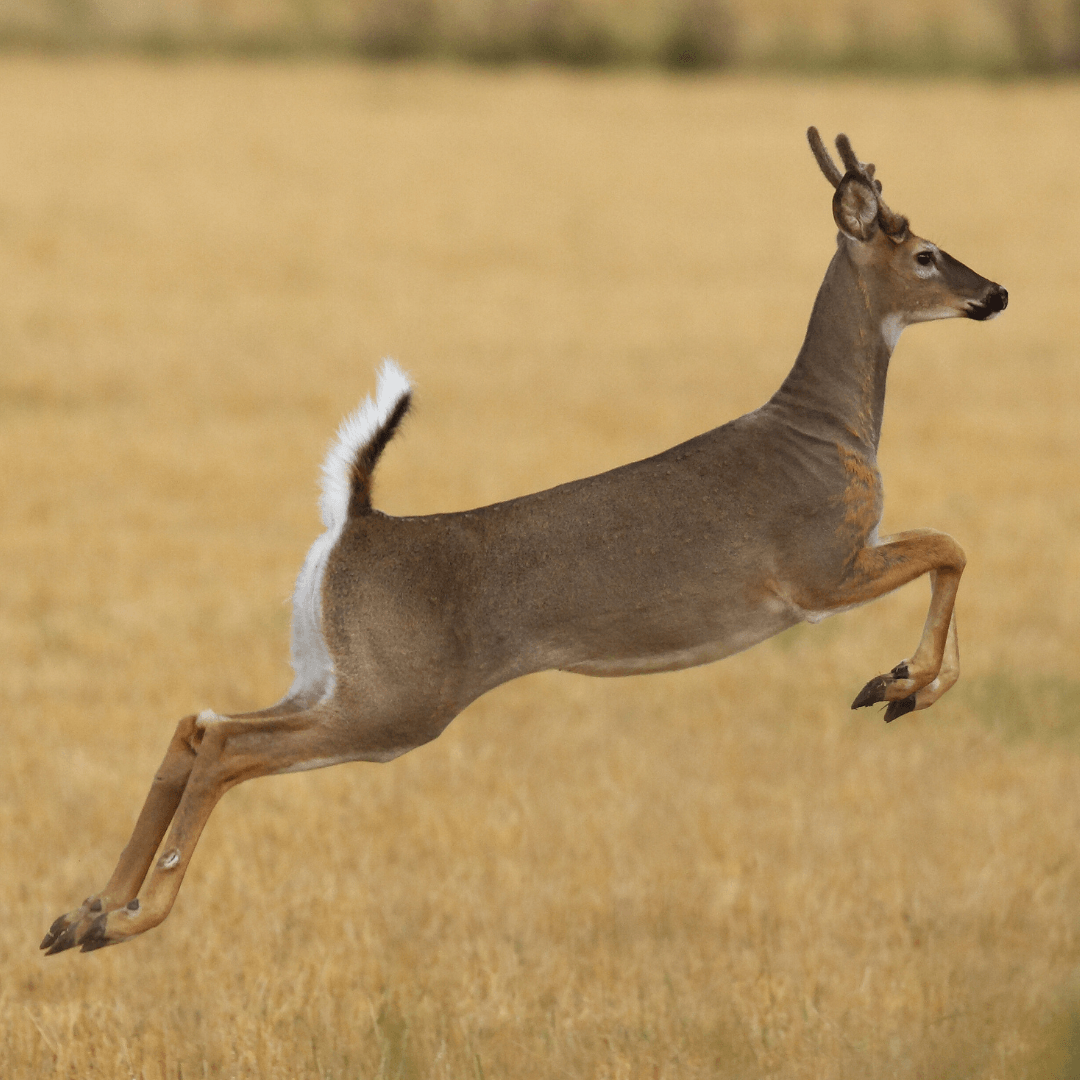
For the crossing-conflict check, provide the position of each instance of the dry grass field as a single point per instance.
(716, 873)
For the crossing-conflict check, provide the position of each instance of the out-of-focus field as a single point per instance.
(986, 36)
(721, 872)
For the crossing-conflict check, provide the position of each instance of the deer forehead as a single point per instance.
(886, 253)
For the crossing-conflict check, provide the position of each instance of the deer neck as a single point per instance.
(837, 387)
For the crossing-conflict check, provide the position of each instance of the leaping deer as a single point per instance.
(677, 560)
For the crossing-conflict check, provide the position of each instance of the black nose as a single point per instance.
(995, 301)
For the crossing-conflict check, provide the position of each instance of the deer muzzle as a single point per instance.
(993, 302)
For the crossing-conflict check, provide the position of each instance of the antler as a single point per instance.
(893, 225)
(828, 166)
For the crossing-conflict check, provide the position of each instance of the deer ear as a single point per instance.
(855, 208)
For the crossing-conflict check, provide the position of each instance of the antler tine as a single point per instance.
(825, 162)
(894, 225)
(847, 156)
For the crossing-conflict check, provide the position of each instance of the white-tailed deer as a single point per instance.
(677, 560)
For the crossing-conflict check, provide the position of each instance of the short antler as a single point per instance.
(893, 225)
(828, 166)
(847, 156)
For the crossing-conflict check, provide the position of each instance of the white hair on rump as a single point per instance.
(311, 659)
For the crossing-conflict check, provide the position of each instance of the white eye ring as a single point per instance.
(925, 258)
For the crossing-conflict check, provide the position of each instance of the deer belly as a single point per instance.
(732, 635)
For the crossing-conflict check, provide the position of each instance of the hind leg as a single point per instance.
(208, 755)
(161, 803)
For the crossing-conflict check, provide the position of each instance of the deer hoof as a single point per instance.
(63, 934)
(95, 938)
(873, 692)
(57, 941)
(84, 926)
(899, 708)
(884, 688)
(58, 927)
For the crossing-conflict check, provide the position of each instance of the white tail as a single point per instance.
(360, 439)
(370, 424)
(682, 558)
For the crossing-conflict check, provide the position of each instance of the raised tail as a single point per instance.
(362, 437)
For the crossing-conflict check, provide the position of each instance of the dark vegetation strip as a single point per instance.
(681, 35)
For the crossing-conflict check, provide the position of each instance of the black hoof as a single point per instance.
(57, 928)
(872, 692)
(95, 936)
(899, 708)
(64, 941)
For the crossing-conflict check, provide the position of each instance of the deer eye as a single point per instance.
(925, 258)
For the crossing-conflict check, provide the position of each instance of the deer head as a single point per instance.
(917, 281)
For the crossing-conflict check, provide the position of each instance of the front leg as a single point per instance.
(915, 683)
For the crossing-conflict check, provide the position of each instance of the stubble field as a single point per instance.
(716, 873)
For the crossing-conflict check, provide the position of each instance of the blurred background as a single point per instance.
(589, 231)
(988, 37)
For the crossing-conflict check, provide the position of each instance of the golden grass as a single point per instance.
(720, 872)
